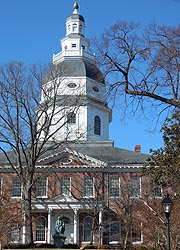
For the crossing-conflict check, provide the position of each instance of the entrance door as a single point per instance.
(69, 230)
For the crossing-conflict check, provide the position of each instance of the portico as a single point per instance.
(72, 210)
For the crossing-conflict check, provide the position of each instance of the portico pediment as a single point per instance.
(68, 158)
(62, 199)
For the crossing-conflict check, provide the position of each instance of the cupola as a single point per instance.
(75, 23)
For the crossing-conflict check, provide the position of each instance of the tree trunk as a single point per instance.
(125, 241)
(27, 214)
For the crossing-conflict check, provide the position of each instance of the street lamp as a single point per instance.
(167, 207)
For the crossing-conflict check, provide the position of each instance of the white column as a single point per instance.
(75, 225)
(49, 226)
(100, 228)
(23, 229)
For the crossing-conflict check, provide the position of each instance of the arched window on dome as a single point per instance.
(87, 228)
(40, 229)
(97, 125)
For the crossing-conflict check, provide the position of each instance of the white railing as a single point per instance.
(74, 53)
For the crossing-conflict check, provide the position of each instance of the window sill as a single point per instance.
(42, 197)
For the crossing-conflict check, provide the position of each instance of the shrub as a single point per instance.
(89, 246)
(19, 246)
(143, 247)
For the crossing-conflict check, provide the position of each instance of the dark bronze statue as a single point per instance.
(59, 226)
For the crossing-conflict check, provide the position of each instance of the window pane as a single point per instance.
(156, 190)
(65, 186)
(114, 231)
(40, 229)
(88, 186)
(87, 228)
(97, 125)
(41, 186)
(135, 186)
(16, 188)
(114, 187)
(15, 233)
(71, 118)
(136, 233)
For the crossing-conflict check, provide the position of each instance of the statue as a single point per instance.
(59, 237)
(59, 226)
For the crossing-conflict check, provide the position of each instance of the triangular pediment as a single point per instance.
(67, 158)
(62, 199)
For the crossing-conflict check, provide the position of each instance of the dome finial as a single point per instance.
(76, 6)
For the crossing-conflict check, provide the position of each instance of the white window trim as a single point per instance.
(44, 196)
(157, 196)
(91, 196)
(119, 188)
(141, 241)
(43, 241)
(16, 197)
(71, 123)
(140, 188)
(1, 184)
(69, 185)
(117, 241)
(16, 241)
(83, 230)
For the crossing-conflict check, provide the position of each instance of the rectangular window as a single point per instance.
(135, 187)
(73, 45)
(41, 187)
(16, 187)
(65, 186)
(114, 187)
(114, 232)
(71, 118)
(40, 229)
(156, 190)
(88, 224)
(88, 186)
(136, 234)
(15, 233)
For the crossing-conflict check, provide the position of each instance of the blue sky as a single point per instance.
(30, 31)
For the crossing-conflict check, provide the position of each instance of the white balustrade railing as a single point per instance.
(74, 53)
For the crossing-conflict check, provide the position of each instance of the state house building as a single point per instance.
(84, 182)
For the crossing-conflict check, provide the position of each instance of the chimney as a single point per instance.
(137, 148)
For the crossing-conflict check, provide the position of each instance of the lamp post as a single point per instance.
(167, 207)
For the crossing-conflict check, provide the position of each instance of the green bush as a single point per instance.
(90, 246)
(143, 247)
(19, 246)
(71, 246)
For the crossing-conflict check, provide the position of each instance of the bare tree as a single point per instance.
(126, 208)
(31, 114)
(142, 66)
